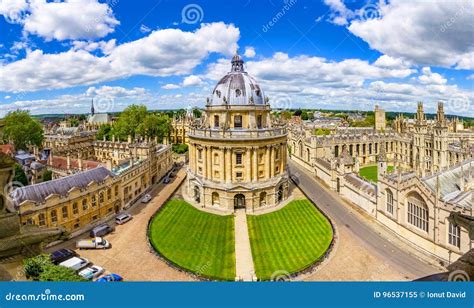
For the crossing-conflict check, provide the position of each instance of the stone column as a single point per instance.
(204, 161)
(228, 165)
(267, 162)
(272, 162)
(222, 165)
(248, 164)
(255, 164)
(282, 158)
(209, 163)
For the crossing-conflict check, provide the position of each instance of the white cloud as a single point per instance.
(106, 99)
(65, 20)
(105, 46)
(429, 77)
(7, 97)
(423, 32)
(191, 81)
(315, 82)
(13, 10)
(249, 52)
(161, 53)
(170, 86)
(340, 14)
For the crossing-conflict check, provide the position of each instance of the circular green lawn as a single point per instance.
(197, 241)
(288, 240)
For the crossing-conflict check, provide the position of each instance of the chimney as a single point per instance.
(79, 161)
(113, 138)
(68, 161)
(129, 139)
(50, 158)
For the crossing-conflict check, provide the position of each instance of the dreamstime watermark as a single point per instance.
(191, 14)
(12, 192)
(459, 275)
(282, 102)
(46, 296)
(369, 11)
(280, 275)
(104, 104)
(448, 23)
(288, 4)
(103, 17)
(460, 104)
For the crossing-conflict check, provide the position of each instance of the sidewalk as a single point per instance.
(244, 268)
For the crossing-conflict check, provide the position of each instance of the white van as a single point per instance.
(75, 263)
(95, 243)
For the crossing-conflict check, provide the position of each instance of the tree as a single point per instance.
(180, 148)
(104, 131)
(155, 125)
(128, 121)
(285, 115)
(47, 175)
(298, 113)
(74, 122)
(304, 115)
(53, 272)
(22, 130)
(34, 266)
(20, 175)
(197, 113)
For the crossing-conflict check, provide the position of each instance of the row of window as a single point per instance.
(238, 157)
(238, 121)
(418, 217)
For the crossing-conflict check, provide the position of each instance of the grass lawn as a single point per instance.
(290, 239)
(370, 173)
(197, 241)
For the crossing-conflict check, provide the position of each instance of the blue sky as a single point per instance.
(55, 57)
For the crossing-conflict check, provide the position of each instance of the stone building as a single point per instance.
(380, 121)
(434, 175)
(71, 202)
(237, 158)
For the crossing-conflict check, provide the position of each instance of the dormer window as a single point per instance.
(238, 92)
(257, 92)
(218, 93)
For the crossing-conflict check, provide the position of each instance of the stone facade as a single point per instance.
(434, 176)
(237, 157)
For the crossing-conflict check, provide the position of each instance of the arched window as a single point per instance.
(215, 199)
(418, 213)
(216, 120)
(307, 155)
(389, 200)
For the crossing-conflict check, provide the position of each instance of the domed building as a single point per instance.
(237, 159)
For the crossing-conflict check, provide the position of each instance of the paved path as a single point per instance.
(131, 255)
(243, 253)
(356, 228)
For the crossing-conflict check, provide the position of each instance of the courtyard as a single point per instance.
(288, 240)
(370, 172)
(199, 242)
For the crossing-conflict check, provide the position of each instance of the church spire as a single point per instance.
(92, 107)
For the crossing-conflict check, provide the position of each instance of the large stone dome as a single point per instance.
(237, 87)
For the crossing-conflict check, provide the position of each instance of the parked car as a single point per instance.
(110, 278)
(95, 243)
(101, 230)
(146, 198)
(122, 218)
(166, 180)
(75, 263)
(91, 272)
(62, 255)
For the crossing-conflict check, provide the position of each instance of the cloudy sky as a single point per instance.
(56, 56)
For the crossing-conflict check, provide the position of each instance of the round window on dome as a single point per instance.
(218, 93)
(238, 92)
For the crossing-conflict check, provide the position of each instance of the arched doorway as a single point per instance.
(239, 201)
(197, 194)
(215, 199)
(280, 194)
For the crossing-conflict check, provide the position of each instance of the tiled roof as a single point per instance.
(7, 148)
(39, 192)
(60, 162)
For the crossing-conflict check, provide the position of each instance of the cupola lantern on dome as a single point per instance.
(237, 87)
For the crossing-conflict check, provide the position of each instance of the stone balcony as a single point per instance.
(239, 134)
